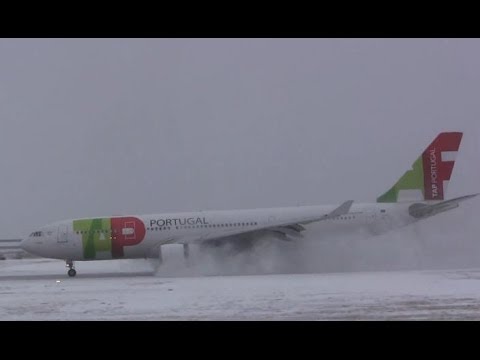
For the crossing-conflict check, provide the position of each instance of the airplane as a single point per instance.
(418, 194)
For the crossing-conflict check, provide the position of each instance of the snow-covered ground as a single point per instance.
(38, 289)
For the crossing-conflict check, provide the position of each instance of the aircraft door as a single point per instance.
(370, 216)
(386, 220)
(62, 236)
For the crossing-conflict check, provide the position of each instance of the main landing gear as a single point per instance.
(186, 253)
(71, 272)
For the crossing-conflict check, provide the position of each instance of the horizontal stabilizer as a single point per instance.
(419, 210)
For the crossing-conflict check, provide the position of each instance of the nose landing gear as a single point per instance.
(71, 272)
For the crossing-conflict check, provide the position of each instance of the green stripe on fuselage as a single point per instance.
(96, 235)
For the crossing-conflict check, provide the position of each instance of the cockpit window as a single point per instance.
(36, 234)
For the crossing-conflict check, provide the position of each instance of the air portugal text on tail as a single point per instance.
(430, 173)
(419, 194)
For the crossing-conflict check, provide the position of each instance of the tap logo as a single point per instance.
(433, 173)
(438, 161)
(109, 235)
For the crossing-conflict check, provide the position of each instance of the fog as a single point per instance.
(99, 127)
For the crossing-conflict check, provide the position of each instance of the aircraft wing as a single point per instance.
(293, 229)
(339, 211)
(420, 210)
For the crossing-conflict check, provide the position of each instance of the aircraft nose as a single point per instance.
(26, 244)
(30, 245)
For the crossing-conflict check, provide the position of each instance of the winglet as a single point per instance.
(341, 210)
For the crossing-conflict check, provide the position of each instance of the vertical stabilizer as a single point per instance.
(428, 179)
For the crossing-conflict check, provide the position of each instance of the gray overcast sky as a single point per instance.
(94, 127)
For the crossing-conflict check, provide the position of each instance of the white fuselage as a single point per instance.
(139, 236)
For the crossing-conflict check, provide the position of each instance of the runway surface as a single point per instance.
(38, 289)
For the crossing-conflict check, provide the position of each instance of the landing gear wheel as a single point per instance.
(71, 266)
(72, 272)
